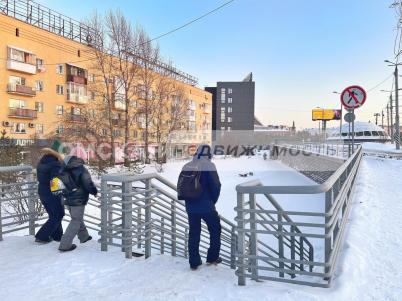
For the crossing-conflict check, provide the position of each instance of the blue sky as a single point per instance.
(298, 51)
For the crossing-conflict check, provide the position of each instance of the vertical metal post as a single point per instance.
(127, 219)
(110, 225)
(31, 203)
(104, 215)
(301, 256)
(293, 249)
(233, 244)
(148, 226)
(162, 235)
(253, 237)
(280, 244)
(328, 239)
(388, 119)
(139, 228)
(173, 226)
(241, 279)
(392, 118)
(397, 126)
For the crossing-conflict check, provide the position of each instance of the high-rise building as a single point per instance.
(233, 105)
(45, 78)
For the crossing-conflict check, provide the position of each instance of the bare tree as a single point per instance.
(123, 41)
(102, 85)
(148, 59)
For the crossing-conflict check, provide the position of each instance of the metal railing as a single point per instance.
(142, 213)
(18, 188)
(293, 251)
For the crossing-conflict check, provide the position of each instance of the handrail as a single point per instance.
(327, 226)
(253, 186)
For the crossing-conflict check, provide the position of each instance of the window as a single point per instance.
(92, 113)
(229, 119)
(16, 103)
(229, 109)
(359, 134)
(17, 32)
(39, 128)
(19, 128)
(223, 95)
(60, 89)
(104, 132)
(223, 114)
(60, 129)
(135, 134)
(91, 77)
(60, 69)
(229, 128)
(39, 85)
(75, 111)
(375, 133)
(367, 133)
(39, 63)
(59, 110)
(230, 90)
(16, 80)
(39, 107)
(230, 99)
(222, 128)
(92, 95)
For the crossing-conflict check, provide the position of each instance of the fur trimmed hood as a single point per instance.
(49, 151)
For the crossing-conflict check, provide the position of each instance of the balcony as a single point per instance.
(81, 80)
(76, 98)
(22, 113)
(20, 90)
(76, 118)
(21, 66)
(119, 105)
(118, 122)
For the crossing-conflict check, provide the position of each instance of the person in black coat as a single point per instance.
(203, 208)
(48, 167)
(76, 202)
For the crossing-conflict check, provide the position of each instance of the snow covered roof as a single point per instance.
(359, 127)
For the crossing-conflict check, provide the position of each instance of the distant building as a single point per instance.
(233, 105)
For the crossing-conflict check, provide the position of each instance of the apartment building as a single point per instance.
(45, 75)
(233, 105)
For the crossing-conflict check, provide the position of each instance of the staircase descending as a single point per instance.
(141, 214)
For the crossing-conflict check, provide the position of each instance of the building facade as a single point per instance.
(233, 105)
(45, 77)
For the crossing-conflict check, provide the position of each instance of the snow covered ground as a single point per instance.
(369, 268)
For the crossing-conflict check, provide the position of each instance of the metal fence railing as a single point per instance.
(18, 190)
(262, 219)
(142, 212)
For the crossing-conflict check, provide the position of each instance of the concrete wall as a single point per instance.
(314, 166)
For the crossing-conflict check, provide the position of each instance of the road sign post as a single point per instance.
(352, 97)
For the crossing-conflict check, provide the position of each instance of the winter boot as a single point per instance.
(73, 247)
(216, 262)
(88, 239)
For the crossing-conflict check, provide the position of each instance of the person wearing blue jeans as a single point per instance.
(203, 208)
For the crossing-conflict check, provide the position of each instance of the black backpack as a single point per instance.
(189, 185)
(63, 183)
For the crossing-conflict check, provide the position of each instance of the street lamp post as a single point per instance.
(397, 127)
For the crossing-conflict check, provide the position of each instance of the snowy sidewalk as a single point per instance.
(369, 267)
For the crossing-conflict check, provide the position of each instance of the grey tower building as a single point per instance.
(233, 105)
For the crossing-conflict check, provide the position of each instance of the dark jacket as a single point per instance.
(48, 167)
(209, 181)
(83, 181)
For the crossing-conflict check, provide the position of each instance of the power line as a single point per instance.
(160, 36)
(380, 83)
